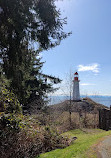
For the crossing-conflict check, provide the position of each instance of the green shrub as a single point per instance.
(9, 102)
(21, 136)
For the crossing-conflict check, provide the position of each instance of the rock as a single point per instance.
(74, 138)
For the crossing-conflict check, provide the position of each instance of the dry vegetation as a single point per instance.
(24, 136)
(28, 136)
(84, 114)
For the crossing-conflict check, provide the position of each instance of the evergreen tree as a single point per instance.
(26, 26)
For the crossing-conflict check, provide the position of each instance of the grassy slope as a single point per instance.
(80, 146)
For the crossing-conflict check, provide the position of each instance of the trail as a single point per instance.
(104, 148)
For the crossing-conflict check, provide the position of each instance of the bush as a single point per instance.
(21, 136)
(9, 126)
(9, 102)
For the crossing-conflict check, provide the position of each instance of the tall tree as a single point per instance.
(35, 20)
(25, 27)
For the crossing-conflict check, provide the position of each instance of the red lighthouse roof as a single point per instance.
(76, 73)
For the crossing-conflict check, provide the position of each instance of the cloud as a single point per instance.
(87, 84)
(92, 67)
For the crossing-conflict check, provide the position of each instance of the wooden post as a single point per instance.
(100, 121)
(104, 119)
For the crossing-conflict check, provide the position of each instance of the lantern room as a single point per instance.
(76, 76)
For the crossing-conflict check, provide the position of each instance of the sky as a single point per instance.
(87, 50)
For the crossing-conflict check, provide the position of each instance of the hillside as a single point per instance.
(81, 114)
(82, 146)
(84, 105)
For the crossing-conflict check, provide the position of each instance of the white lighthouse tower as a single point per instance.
(76, 93)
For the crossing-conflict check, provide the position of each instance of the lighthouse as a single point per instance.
(76, 93)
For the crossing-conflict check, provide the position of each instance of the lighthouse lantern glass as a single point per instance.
(76, 76)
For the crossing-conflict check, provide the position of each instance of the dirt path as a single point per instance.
(104, 148)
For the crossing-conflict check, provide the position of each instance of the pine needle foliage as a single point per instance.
(28, 27)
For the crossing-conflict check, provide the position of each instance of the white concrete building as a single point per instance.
(76, 93)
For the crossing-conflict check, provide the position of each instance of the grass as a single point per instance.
(80, 147)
